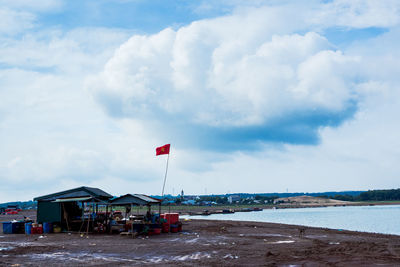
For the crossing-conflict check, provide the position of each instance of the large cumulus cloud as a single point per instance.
(245, 77)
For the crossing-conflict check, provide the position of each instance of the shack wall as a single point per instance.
(48, 212)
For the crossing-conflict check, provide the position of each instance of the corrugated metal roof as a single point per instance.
(134, 199)
(147, 198)
(76, 192)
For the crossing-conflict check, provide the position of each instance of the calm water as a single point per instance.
(378, 219)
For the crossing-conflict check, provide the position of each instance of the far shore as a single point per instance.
(215, 209)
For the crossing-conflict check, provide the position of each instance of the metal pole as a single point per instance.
(162, 193)
(165, 178)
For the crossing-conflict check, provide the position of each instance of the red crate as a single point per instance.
(174, 228)
(155, 231)
(171, 218)
(37, 230)
(165, 227)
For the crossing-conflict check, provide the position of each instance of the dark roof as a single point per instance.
(135, 199)
(82, 191)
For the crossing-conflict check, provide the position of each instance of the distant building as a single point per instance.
(189, 202)
(233, 198)
(189, 197)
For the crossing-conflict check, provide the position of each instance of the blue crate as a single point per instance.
(9, 228)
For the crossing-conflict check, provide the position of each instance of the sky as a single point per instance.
(253, 96)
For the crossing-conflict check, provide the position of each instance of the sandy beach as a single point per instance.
(206, 243)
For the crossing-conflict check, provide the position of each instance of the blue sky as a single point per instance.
(254, 96)
(142, 16)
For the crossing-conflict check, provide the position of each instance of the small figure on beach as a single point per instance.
(302, 232)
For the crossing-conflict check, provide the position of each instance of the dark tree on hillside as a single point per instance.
(380, 195)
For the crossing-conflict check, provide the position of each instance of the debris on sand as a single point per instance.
(230, 256)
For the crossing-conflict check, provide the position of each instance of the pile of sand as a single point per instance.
(309, 201)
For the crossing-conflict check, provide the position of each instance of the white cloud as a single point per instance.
(14, 22)
(358, 14)
(79, 50)
(222, 72)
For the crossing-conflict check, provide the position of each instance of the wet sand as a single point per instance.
(206, 243)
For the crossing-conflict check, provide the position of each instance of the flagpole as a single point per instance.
(162, 193)
(165, 178)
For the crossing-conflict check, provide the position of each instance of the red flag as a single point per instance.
(162, 150)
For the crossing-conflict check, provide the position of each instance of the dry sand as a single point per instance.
(311, 201)
(206, 243)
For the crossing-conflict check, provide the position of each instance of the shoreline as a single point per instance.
(299, 226)
(199, 210)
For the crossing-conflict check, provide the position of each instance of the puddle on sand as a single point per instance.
(218, 240)
(5, 248)
(316, 236)
(194, 256)
(28, 244)
(266, 235)
(281, 242)
(164, 259)
(78, 257)
(112, 258)
(192, 240)
(230, 256)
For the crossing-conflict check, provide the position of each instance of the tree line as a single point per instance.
(371, 195)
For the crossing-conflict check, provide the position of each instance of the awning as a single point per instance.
(72, 199)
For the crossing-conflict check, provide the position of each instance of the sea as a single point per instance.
(383, 219)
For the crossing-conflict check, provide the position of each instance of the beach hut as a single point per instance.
(137, 222)
(130, 200)
(66, 206)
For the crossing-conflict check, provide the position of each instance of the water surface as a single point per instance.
(377, 219)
